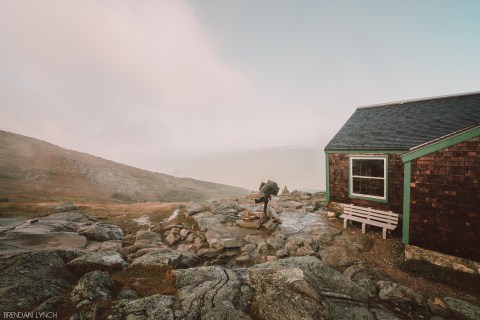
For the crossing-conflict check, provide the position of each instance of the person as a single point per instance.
(267, 190)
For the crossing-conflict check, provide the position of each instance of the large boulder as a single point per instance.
(95, 285)
(27, 280)
(209, 293)
(300, 288)
(153, 307)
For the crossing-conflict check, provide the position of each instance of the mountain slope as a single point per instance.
(33, 170)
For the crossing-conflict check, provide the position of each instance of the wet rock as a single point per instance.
(462, 309)
(149, 236)
(29, 279)
(303, 251)
(127, 294)
(152, 307)
(94, 232)
(255, 224)
(92, 286)
(196, 208)
(230, 243)
(398, 294)
(208, 293)
(282, 253)
(275, 243)
(165, 257)
(223, 208)
(184, 233)
(339, 256)
(438, 306)
(100, 260)
(297, 288)
(111, 245)
(172, 239)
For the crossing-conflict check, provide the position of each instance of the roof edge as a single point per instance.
(440, 143)
(419, 99)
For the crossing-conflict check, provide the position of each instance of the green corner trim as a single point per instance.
(407, 176)
(367, 197)
(327, 177)
(442, 144)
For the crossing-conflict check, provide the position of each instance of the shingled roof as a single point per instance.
(404, 125)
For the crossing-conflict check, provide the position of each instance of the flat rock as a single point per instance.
(164, 257)
(398, 294)
(230, 243)
(100, 260)
(255, 224)
(94, 232)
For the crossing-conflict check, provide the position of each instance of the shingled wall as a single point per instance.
(338, 182)
(445, 201)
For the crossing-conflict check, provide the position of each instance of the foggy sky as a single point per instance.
(149, 82)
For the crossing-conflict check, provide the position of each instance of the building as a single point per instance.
(419, 158)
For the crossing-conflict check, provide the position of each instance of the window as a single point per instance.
(368, 177)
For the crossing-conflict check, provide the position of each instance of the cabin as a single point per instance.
(420, 159)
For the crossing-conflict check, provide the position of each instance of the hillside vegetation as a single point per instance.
(35, 170)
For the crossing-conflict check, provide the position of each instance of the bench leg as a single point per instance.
(384, 233)
(363, 227)
(345, 223)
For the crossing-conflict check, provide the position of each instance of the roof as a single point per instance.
(406, 124)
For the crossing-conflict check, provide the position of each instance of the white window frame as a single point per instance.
(351, 176)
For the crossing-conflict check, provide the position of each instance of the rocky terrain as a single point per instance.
(34, 170)
(206, 261)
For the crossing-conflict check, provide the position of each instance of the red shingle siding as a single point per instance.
(338, 181)
(445, 201)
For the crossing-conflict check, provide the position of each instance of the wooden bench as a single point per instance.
(383, 219)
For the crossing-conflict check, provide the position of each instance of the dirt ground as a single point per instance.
(384, 257)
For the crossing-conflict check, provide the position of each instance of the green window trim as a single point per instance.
(366, 197)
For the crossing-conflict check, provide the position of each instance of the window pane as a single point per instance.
(368, 167)
(372, 187)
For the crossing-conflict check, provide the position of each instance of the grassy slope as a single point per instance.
(34, 170)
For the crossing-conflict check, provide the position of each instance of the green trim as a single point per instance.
(367, 197)
(407, 176)
(442, 144)
(366, 151)
(327, 177)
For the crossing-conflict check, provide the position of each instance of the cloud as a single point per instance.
(141, 72)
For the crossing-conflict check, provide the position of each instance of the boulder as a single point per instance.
(223, 208)
(94, 232)
(172, 239)
(100, 260)
(151, 307)
(339, 256)
(398, 294)
(29, 279)
(299, 288)
(228, 243)
(281, 253)
(164, 257)
(462, 310)
(111, 245)
(275, 243)
(208, 293)
(255, 224)
(196, 208)
(95, 285)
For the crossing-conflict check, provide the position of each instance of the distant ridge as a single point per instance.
(35, 170)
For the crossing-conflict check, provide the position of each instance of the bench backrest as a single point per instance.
(388, 217)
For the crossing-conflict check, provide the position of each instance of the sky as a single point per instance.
(155, 84)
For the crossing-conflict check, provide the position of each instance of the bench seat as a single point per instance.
(387, 220)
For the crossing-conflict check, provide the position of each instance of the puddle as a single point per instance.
(143, 220)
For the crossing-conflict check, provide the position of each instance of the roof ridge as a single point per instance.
(419, 99)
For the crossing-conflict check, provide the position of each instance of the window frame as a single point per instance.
(385, 178)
